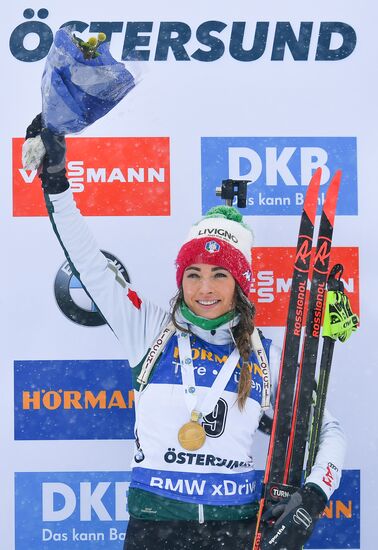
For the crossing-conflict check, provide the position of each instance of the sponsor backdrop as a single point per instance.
(265, 92)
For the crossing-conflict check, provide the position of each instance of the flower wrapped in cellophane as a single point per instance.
(81, 82)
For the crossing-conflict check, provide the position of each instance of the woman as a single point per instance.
(199, 389)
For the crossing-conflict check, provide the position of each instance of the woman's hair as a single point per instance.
(241, 334)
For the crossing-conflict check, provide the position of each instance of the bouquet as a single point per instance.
(81, 82)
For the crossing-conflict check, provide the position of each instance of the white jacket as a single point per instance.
(228, 477)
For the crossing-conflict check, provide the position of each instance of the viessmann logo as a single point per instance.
(109, 176)
(279, 170)
(273, 270)
(73, 400)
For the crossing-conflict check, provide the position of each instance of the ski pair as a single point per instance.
(285, 460)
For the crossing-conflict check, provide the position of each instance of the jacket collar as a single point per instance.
(219, 336)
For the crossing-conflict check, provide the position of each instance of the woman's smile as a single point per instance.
(209, 290)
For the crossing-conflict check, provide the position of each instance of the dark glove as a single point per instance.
(53, 173)
(35, 127)
(294, 519)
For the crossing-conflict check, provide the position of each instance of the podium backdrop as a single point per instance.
(263, 91)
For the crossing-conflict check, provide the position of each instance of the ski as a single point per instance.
(307, 366)
(288, 368)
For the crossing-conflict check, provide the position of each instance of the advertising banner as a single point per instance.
(103, 181)
(73, 400)
(68, 509)
(272, 281)
(278, 170)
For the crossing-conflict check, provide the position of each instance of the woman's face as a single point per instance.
(209, 290)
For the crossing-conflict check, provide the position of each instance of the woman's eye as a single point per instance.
(192, 275)
(220, 275)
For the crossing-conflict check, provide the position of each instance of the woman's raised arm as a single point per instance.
(134, 320)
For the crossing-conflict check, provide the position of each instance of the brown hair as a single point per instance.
(241, 334)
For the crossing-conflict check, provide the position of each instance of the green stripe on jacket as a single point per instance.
(146, 505)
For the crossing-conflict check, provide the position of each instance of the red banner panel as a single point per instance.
(117, 176)
(272, 273)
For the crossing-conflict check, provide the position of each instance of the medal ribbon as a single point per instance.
(187, 370)
(262, 359)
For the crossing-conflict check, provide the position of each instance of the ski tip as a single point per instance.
(330, 202)
(311, 200)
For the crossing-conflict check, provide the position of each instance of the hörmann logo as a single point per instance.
(73, 400)
(279, 170)
(273, 270)
(206, 41)
(109, 176)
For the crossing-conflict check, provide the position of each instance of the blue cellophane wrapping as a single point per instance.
(77, 91)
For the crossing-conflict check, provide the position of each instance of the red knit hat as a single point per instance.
(221, 238)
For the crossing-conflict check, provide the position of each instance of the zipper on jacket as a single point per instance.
(201, 515)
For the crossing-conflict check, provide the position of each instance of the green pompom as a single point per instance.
(228, 212)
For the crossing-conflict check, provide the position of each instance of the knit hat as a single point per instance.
(221, 238)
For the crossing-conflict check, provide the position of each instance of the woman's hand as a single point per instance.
(294, 519)
(53, 168)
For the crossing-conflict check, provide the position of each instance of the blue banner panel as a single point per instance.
(71, 510)
(73, 400)
(82, 510)
(340, 527)
(279, 170)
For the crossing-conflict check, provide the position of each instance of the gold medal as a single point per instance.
(192, 435)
